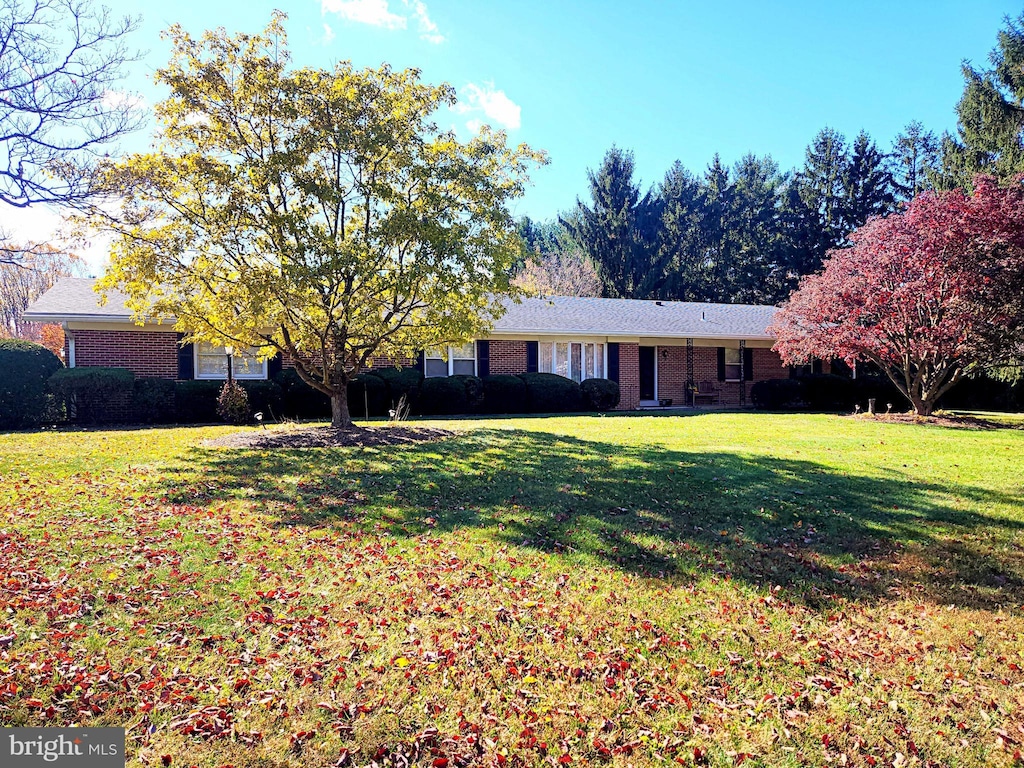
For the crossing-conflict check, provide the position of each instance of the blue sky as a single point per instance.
(668, 80)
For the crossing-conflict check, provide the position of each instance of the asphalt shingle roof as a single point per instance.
(74, 299)
(565, 315)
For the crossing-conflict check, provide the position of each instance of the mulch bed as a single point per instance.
(326, 437)
(956, 422)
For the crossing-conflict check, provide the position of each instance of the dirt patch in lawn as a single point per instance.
(326, 437)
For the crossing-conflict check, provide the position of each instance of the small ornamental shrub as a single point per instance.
(195, 402)
(25, 368)
(599, 394)
(299, 400)
(233, 403)
(153, 401)
(504, 394)
(95, 395)
(551, 393)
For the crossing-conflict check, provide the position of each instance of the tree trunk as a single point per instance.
(340, 416)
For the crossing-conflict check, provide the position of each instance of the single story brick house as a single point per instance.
(688, 353)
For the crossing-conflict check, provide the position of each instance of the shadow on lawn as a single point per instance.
(647, 510)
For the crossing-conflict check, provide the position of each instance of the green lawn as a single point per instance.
(710, 590)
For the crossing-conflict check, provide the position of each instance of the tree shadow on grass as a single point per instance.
(647, 510)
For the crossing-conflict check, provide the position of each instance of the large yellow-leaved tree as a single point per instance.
(316, 213)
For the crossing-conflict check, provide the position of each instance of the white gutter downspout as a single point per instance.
(71, 343)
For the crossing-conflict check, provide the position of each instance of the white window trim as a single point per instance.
(740, 364)
(582, 340)
(262, 375)
(449, 351)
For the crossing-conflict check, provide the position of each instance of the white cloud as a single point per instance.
(328, 37)
(42, 224)
(428, 29)
(376, 13)
(372, 12)
(495, 105)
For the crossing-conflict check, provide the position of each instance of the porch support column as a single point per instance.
(689, 373)
(743, 373)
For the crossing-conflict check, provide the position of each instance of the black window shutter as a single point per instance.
(721, 363)
(748, 364)
(532, 353)
(274, 365)
(420, 365)
(613, 361)
(483, 358)
(816, 366)
(186, 360)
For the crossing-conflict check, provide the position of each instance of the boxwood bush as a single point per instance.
(299, 400)
(599, 394)
(95, 395)
(266, 397)
(778, 395)
(25, 368)
(196, 401)
(443, 396)
(504, 394)
(402, 382)
(368, 396)
(551, 393)
(154, 402)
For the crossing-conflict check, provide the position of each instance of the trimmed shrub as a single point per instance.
(828, 392)
(195, 402)
(264, 396)
(551, 393)
(95, 395)
(474, 392)
(880, 388)
(504, 394)
(778, 395)
(402, 382)
(25, 368)
(153, 401)
(600, 394)
(299, 400)
(368, 396)
(233, 403)
(443, 396)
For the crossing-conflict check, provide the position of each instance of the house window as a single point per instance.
(450, 361)
(576, 360)
(212, 363)
(733, 365)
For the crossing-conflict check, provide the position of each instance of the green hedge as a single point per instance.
(778, 395)
(504, 394)
(25, 368)
(95, 395)
(196, 401)
(154, 401)
(826, 392)
(550, 393)
(402, 382)
(299, 400)
(600, 394)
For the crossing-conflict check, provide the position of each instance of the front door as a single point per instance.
(647, 358)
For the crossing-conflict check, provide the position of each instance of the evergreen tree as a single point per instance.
(618, 232)
(868, 184)
(990, 126)
(681, 270)
(914, 161)
(759, 265)
(715, 246)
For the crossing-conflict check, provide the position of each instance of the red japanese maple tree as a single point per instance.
(930, 295)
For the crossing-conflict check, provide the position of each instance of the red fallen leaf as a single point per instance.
(440, 762)
(566, 758)
(165, 759)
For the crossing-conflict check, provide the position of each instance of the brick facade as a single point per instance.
(507, 357)
(144, 353)
(155, 354)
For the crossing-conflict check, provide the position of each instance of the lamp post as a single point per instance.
(230, 352)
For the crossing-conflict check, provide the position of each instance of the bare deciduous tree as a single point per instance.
(559, 273)
(60, 110)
